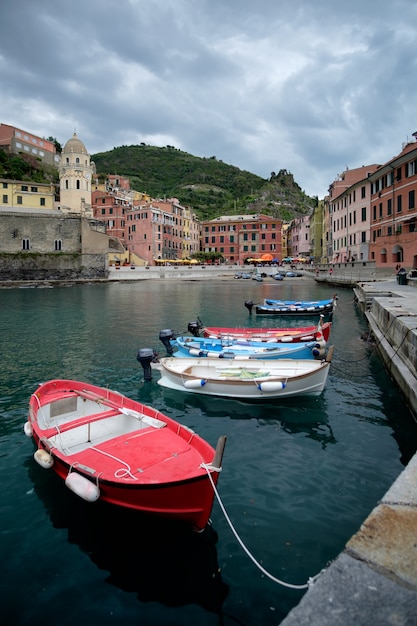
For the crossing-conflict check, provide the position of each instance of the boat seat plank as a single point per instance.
(75, 423)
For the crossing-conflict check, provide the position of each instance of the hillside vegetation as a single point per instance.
(26, 168)
(209, 186)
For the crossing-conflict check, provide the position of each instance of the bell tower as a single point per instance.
(75, 174)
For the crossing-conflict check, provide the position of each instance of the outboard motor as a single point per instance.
(145, 357)
(194, 328)
(249, 305)
(165, 336)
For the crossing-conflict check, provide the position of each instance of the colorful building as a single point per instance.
(241, 237)
(394, 210)
(162, 231)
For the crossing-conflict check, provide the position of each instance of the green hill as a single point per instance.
(211, 187)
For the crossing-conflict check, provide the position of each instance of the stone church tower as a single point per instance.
(75, 173)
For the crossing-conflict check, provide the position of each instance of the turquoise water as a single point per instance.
(298, 478)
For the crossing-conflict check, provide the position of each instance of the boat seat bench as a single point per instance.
(87, 419)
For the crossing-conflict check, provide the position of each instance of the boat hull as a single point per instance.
(294, 311)
(295, 334)
(233, 378)
(129, 453)
(231, 348)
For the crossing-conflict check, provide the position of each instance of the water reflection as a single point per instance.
(159, 560)
(297, 415)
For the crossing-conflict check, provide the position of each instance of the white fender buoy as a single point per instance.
(28, 430)
(286, 339)
(195, 383)
(82, 487)
(318, 351)
(194, 352)
(43, 458)
(271, 386)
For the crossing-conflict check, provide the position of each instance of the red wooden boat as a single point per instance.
(105, 445)
(319, 332)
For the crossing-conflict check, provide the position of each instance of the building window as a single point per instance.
(19, 200)
(58, 245)
(25, 244)
(78, 184)
(363, 236)
(24, 188)
(5, 185)
(399, 204)
(411, 168)
(42, 201)
(363, 192)
(5, 198)
(389, 207)
(411, 199)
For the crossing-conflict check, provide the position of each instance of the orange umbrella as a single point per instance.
(266, 257)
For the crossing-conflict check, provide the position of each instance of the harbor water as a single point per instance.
(299, 477)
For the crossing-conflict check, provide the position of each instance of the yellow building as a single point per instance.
(18, 194)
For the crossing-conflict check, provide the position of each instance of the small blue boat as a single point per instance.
(231, 348)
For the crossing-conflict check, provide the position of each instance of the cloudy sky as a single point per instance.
(311, 86)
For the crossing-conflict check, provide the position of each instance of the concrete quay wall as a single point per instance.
(391, 312)
(171, 272)
(374, 580)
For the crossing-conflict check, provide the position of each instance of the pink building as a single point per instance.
(162, 230)
(299, 237)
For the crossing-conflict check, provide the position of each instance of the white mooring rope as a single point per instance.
(311, 580)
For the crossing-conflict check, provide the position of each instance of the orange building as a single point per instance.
(394, 210)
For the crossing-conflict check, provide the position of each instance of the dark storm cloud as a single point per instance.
(311, 87)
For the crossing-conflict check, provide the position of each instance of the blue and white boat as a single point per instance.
(231, 348)
(293, 307)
